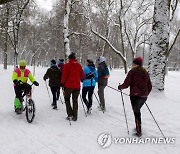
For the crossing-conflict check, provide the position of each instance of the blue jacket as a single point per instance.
(90, 82)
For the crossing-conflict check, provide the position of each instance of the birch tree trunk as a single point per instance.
(66, 27)
(159, 43)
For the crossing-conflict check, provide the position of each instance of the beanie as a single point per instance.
(61, 61)
(53, 63)
(22, 63)
(138, 61)
(72, 55)
(101, 59)
(90, 61)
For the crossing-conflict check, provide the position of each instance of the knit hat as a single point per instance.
(138, 61)
(72, 55)
(90, 61)
(22, 63)
(61, 60)
(101, 59)
(53, 63)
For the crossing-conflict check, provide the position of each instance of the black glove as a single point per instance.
(119, 87)
(44, 78)
(16, 82)
(36, 83)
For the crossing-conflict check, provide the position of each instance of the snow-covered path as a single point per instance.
(50, 133)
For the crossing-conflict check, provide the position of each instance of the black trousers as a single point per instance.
(58, 92)
(19, 90)
(54, 90)
(87, 90)
(71, 110)
(137, 102)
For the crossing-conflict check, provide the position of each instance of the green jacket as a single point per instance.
(22, 75)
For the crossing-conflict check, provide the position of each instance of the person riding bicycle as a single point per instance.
(20, 77)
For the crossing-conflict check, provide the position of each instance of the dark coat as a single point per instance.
(139, 81)
(54, 76)
(101, 80)
(72, 74)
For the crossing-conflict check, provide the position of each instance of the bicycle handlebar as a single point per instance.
(25, 83)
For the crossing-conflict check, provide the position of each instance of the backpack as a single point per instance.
(106, 73)
(90, 75)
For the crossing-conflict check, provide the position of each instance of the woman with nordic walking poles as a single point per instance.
(140, 86)
(54, 75)
(89, 83)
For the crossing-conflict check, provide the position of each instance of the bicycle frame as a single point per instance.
(28, 105)
(28, 96)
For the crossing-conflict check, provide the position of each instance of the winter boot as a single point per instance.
(74, 119)
(69, 118)
(17, 105)
(89, 110)
(55, 107)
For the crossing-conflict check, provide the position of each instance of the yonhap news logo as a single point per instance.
(105, 140)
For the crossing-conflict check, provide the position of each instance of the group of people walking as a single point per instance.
(69, 76)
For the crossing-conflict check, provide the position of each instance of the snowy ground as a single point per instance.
(50, 133)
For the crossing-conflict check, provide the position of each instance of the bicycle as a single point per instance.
(28, 105)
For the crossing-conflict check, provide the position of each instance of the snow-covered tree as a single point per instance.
(160, 43)
(68, 4)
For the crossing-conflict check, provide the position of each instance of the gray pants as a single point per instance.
(101, 96)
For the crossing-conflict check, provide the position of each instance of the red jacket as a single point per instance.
(139, 82)
(72, 74)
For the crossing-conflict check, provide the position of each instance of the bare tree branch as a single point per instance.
(111, 46)
(4, 1)
(175, 39)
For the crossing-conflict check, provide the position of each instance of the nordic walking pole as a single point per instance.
(83, 105)
(123, 105)
(97, 100)
(60, 99)
(69, 122)
(155, 120)
(118, 90)
(48, 91)
(124, 112)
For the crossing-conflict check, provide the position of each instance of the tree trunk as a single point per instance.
(66, 27)
(6, 37)
(4, 1)
(159, 43)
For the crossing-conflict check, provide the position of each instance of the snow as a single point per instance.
(50, 133)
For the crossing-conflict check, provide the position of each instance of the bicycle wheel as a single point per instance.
(30, 110)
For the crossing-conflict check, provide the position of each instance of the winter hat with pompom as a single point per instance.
(138, 61)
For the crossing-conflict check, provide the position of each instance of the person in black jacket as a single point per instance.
(54, 75)
(102, 81)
